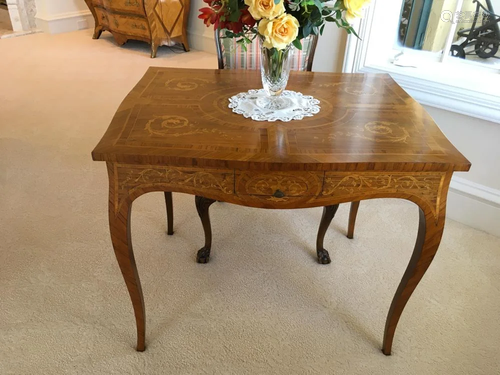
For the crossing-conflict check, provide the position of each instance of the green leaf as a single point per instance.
(235, 16)
(321, 29)
(355, 33)
(339, 5)
(234, 12)
(318, 4)
(306, 30)
(297, 44)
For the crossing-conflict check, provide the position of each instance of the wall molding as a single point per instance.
(476, 191)
(65, 22)
(475, 205)
(444, 96)
(202, 41)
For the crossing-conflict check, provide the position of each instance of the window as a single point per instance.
(445, 53)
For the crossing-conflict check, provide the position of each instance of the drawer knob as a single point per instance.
(278, 194)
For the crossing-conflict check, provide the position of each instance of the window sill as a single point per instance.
(455, 85)
(446, 89)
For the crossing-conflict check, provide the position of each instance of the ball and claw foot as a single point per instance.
(203, 255)
(323, 257)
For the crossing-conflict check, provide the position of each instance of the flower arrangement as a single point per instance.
(279, 22)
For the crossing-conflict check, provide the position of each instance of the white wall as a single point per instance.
(474, 197)
(57, 16)
(200, 37)
(478, 140)
(330, 51)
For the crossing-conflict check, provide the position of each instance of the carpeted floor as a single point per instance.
(262, 306)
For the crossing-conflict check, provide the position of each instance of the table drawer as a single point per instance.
(133, 7)
(279, 184)
(194, 181)
(103, 17)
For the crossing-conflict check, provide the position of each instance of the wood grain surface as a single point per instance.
(174, 132)
(367, 122)
(156, 22)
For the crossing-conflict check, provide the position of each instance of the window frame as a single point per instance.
(434, 82)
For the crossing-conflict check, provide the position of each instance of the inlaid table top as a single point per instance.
(181, 117)
(175, 133)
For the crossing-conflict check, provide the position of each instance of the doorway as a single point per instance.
(17, 17)
(5, 24)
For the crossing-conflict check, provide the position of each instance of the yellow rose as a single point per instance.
(279, 32)
(265, 8)
(354, 9)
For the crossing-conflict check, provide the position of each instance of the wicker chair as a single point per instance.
(231, 55)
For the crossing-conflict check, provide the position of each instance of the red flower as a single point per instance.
(246, 18)
(235, 27)
(210, 16)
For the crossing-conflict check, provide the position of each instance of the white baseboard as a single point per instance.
(65, 22)
(475, 205)
(202, 41)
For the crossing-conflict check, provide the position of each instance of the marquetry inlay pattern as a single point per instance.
(184, 109)
(175, 133)
(157, 22)
(425, 186)
(130, 178)
(287, 184)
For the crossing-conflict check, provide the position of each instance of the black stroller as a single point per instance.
(484, 37)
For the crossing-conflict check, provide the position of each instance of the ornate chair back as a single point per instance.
(232, 56)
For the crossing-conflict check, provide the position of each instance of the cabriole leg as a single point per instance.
(119, 227)
(429, 235)
(326, 219)
(154, 48)
(352, 219)
(202, 206)
(97, 32)
(185, 43)
(170, 212)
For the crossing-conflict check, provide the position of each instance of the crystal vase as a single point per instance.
(275, 69)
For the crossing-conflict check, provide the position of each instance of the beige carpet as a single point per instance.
(262, 306)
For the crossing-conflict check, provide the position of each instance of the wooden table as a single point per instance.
(174, 132)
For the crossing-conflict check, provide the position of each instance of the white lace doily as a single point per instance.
(292, 106)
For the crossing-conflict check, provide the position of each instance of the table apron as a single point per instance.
(280, 190)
